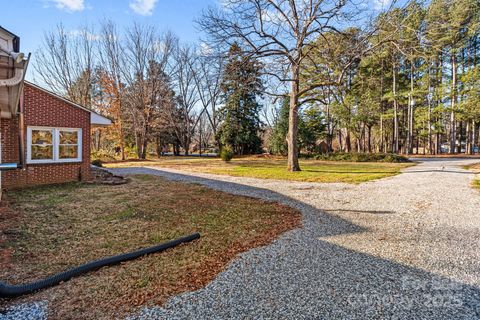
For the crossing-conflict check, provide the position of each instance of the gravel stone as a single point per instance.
(404, 247)
(26, 311)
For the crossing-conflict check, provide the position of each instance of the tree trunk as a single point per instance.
(293, 164)
(186, 146)
(438, 143)
(200, 138)
(459, 134)
(146, 130)
(468, 140)
(369, 139)
(340, 139)
(395, 112)
(411, 103)
(138, 144)
(144, 149)
(453, 131)
(348, 141)
(474, 135)
(329, 131)
(381, 147)
(430, 151)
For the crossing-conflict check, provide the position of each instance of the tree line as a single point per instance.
(282, 76)
(160, 93)
(417, 92)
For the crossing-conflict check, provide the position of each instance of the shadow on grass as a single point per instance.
(303, 274)
(349, 172)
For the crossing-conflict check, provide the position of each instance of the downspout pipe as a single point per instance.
(21, 118)
(21, 129)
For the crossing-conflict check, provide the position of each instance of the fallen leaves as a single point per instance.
(64, 226)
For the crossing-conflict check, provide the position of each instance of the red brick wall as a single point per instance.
(43, 109)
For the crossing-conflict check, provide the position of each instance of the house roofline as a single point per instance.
(66, 100)
(16, 39)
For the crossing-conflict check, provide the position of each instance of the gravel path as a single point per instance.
(405, 247)
(30, 311)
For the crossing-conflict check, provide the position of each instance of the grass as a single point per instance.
(476, 184)
(49, 229)
(275, 168)
(476, 168)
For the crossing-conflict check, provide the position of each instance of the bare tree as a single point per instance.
(281, 32)
(204, 133)
(207, 73)
(147, 57)
(65, 63)
(112, 59)
(185, 117)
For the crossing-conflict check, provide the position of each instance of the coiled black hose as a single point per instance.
(10, 291)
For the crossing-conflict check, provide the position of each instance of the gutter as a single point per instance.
(21, 118)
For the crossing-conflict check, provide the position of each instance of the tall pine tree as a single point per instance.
(241, 86)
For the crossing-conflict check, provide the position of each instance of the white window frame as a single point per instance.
(56, 145)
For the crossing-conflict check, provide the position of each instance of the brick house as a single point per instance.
(45, 138)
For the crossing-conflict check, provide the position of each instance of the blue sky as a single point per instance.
(29, 19)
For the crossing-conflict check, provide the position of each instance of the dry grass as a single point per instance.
(476, 168)
(58, 227)
(476, 184)
(275, 168)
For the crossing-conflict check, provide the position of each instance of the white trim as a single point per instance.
(55, 143)
(98, 120)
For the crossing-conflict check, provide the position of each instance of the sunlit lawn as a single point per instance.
(476, 168)
(275, 168)
(476, 184)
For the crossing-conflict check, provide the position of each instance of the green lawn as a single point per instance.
(275, 168)
(476, 168)
(476, 184)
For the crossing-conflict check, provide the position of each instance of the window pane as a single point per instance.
(42, 137)
(68, 137)
(42, 152)
(68, 152)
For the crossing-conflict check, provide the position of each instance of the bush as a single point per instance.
(97, 163)
(226, 154)
(363, 157)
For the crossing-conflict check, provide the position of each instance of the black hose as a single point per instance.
(10, 291)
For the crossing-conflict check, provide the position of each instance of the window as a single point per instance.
(42, 144)
(67, 144)
(46, 145)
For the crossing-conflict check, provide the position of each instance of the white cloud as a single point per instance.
(69, 5)
(84, 34)
(143, 7)
(204, 49)
(381, 4)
